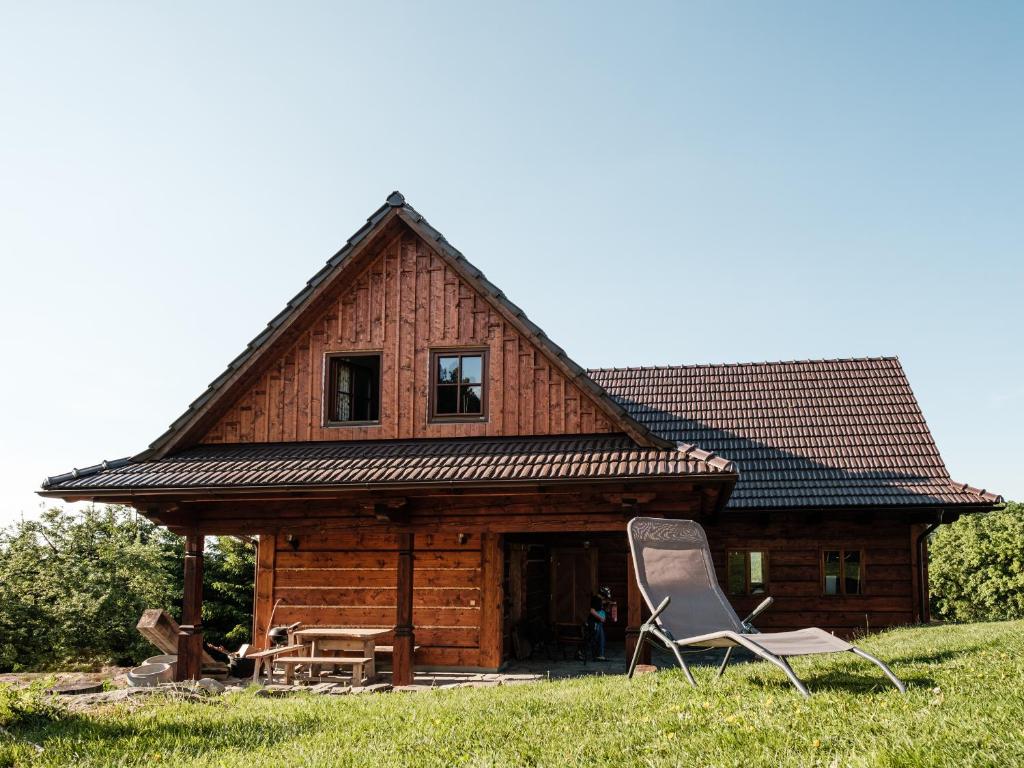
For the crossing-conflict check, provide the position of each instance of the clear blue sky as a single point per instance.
(666, 184)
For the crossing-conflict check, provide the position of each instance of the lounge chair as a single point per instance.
(689, 610)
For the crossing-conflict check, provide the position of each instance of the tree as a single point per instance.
(976, 566)
(73, 585)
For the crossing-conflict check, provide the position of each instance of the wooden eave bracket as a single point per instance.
(630, 502)
(393, 510)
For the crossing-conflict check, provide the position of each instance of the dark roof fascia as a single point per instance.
(288, 491)
(968, 507)
(515, 315)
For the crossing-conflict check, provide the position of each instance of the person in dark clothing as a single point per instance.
(597, 618)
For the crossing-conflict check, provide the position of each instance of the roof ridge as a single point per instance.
(688, 366)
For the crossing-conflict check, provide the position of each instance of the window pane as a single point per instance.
(832, 573)
(851, 572)
(737, 573)
(472, 400)
(356, 388)
(472, 369)
(447, 400)
(757, 576)
(447, 370)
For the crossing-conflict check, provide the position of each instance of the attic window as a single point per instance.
(459, 388)
(353, 389)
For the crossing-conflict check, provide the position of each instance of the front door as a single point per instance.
(573, 582)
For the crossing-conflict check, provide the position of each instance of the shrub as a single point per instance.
(73, 585)
(976, 567)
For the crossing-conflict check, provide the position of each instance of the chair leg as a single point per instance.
(725, 660)
(784, 666)
(888, 672)
(641, 639)
(683, 664)
(778, 661)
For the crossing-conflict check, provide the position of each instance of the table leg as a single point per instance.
(368, 651)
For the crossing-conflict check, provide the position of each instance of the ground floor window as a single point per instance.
(842, 571)
(748, 572)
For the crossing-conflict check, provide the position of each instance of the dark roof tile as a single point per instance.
(802, 433)
(383, 462)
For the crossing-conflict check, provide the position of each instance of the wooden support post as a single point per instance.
(404, 643)
(190, 631)
(263, 599)
(492, 567)
(635, 610)
(926, 608)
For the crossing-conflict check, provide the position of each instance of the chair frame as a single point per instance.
(654, 632)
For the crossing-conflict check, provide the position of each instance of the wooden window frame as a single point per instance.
(765, 571)
(329, 392)
(458, 418)
(842, 576)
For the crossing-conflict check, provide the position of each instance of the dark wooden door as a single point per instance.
(573, 582)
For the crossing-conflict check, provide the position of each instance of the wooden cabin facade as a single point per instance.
(414, 454)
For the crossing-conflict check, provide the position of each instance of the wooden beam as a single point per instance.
(492, 597)
(190, 632)
(635, 612)
(404, 642)
(266, 555)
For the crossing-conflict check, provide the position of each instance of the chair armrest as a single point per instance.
(657, 611)
(748, 623)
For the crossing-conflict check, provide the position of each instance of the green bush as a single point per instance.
(73, 585)
(976, 567)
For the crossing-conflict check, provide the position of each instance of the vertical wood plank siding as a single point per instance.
(405, 301)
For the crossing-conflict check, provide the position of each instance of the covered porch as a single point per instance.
(418, 539)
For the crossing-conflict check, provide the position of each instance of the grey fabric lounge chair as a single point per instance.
(689, 610)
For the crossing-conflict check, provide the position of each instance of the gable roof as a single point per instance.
(810, 433)
(185, 429)
(355, 465)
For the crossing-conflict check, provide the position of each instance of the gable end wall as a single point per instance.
(406, 301)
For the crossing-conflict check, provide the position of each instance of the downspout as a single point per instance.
(922, 568)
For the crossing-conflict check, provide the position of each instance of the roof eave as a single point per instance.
(183, 492)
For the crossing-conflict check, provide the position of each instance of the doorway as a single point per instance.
(573, 582)
(550, 579)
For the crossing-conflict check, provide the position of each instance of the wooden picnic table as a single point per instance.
(361, 640)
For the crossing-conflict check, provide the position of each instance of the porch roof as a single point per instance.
(393, 463)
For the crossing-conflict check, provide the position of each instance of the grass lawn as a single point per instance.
(964, 707)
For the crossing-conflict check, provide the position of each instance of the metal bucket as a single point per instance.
(149, 675)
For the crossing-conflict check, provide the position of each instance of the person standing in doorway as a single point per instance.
(597, 618)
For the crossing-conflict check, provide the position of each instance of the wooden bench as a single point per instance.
(290, 662)
(268, 657)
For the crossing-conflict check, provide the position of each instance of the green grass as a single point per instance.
(964, 707)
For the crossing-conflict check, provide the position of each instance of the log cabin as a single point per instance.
(412, 453)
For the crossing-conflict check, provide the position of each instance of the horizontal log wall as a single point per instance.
(406, 301)
(342, 578)
(794, 549)
(344, 572)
